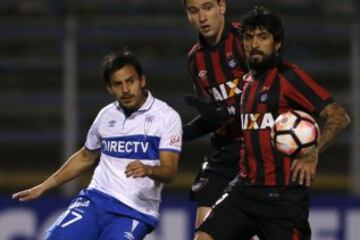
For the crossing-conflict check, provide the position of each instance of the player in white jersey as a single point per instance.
(138, 139)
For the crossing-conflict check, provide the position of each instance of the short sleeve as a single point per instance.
(171, 136)
(301, 91)
(93, 139)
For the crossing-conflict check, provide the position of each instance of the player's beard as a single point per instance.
(260, 66)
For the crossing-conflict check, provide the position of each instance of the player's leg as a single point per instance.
(207, 188)
(202, 236)
(226, 222)
(286, 216)
(285, 229)
(79, 221)
(124, 228)
(201, 212)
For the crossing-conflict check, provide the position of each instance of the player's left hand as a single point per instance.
(304, 169)
(137, 169)
(206, 108)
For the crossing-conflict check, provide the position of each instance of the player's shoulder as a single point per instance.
(292, 71)
(286, 66)
(164, 110)
(160, 105)
(107, 109)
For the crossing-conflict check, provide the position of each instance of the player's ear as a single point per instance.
(222, 6)
(109, 89)
(277, 46)
(143, 81)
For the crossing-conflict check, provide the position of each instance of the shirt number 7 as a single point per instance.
(76, 217)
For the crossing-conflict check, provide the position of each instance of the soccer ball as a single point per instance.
(295, 134)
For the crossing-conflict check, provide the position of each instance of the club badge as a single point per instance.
(147, 124)
(202, 75)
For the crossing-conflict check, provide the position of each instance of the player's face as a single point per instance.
(259, 45)
(126, 86)
(207, 16)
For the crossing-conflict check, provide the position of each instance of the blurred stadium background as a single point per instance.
(51, 89)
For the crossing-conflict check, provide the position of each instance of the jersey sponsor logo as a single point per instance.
(225, 90)
(111, 123)
(132, 147)
(256, 121)
(231, 110)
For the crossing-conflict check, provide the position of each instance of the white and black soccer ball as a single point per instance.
(295, 134)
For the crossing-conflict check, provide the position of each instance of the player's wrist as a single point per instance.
(149, 171)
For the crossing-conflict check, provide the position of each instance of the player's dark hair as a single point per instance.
(117, 60)
(184, 1)
(263, 18)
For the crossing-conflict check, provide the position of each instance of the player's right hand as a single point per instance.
(304, 169)
(29, 194)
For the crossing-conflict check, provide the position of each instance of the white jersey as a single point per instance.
(153, 128)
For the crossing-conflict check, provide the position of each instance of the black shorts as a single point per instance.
(208, 187)
(269, 213)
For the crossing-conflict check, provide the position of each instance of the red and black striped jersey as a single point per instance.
(217, 71)
(279, 89)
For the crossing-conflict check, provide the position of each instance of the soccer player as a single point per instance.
(216, 65)
(271, 195)
(138, 140)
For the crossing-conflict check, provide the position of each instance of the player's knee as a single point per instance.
(202, 236)
(201, 214)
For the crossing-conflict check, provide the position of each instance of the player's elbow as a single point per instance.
(347, 120)
(170, 176)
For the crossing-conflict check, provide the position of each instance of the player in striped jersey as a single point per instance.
(271, 196)
(138, 141)
(216, 66)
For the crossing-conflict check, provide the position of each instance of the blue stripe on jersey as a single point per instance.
(169, 150)
(132, 147)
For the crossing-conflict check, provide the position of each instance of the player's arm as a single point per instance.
(335, 121)
(202, 124)
(73, 167)
(165, 172)
(210, 119)
(196, 128)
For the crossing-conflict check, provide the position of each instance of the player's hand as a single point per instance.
(207, 109)
(29, 194)
(304, 169)
(137, 169)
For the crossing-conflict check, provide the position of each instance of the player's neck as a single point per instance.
(267, 64)
(129, 111)
(212, 41)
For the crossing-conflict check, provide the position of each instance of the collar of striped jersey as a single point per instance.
(204, 44)
(145, 107)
